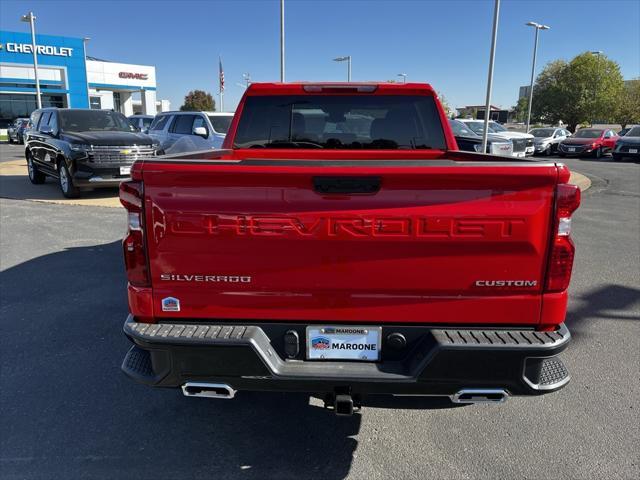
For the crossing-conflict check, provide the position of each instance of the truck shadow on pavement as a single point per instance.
(68, 412)
(609, 302)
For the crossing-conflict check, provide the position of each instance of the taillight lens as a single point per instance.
(562, 248)
(135, 251)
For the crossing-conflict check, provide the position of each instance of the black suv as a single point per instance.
(83, 149)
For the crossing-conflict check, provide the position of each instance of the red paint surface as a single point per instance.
(410, 253)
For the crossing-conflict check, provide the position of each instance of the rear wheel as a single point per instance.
(35, 176)
(69, 190)
(598, 152)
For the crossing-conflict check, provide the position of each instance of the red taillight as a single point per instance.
(562, 248)
(135, 251)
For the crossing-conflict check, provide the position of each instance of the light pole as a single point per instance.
(30, 18)
(85, 40)
(492, 57)
(247, 79)
(348, 60)
(404, 77)
(282, 41)
(537, 27)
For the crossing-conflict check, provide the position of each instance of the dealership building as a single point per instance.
(70, 79)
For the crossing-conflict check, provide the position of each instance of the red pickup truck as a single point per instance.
(341, 245)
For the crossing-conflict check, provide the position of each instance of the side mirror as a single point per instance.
(200, 132)
(46, 129)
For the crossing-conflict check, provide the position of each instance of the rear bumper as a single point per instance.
(435, 361)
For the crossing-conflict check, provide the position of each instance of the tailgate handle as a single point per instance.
(346, 185)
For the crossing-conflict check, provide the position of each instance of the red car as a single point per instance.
(341, 245)
(588, 141)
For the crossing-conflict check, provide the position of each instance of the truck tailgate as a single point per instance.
(436, 243)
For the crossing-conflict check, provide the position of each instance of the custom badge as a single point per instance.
(170, 304)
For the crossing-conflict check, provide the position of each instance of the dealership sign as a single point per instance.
(41, 49)
(135, 76)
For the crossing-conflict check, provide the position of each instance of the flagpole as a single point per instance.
(221, 83)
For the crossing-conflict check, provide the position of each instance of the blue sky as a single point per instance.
(445, 43)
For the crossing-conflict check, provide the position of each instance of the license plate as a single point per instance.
(572, 149)
(125, 170)
(633, 150)
(343, 343)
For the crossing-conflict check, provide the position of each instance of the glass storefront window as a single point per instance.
(13, 106)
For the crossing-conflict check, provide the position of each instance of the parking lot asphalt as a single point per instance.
(68, 412)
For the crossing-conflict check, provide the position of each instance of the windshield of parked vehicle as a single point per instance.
(461, 130)
(220, 123)
(496, 127)
(542, 132)
(634, 132)
(588, 133)
(340, 122)
(478, 127)
(93, 121)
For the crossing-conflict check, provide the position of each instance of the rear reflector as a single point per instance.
(560, 265)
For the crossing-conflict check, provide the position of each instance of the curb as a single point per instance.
(583, 182)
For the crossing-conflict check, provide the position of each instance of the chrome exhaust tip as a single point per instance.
(480, 395)
(208, 390)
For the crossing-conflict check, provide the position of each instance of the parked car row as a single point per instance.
(85, 149)
(587, 141)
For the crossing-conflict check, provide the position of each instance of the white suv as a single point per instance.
(180, 132)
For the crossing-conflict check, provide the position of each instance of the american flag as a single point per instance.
(221, 74)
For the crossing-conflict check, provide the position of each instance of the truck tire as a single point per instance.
(69, 190)
(35, 176)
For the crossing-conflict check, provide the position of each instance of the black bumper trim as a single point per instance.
(441, 362)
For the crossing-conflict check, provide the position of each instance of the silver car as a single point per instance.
(180, 132)
(15, 132)
(546, 140)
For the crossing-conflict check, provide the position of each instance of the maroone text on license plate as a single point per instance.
(343, 343)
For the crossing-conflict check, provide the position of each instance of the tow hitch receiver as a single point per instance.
(342, 403)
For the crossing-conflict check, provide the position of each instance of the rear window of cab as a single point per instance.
(391, 122)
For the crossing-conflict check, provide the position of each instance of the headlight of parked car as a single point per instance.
(78, 147)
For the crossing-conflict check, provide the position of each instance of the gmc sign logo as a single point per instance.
(135, 76)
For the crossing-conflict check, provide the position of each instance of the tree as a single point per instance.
(585, 89)
(465, 112)
(198, 100)
(628, 111)
(521, 109)
(445, 105)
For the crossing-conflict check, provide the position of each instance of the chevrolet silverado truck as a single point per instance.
(340, 244)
